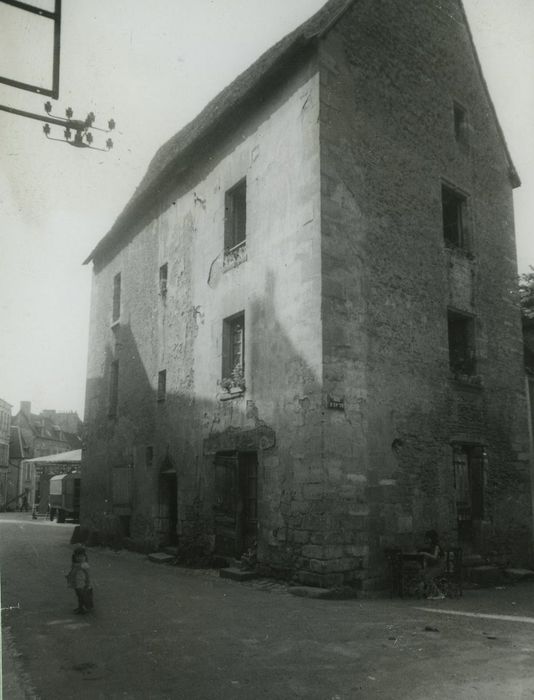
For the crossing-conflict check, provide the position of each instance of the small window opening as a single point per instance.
(116, 297)
(454, 218)
(163, 280)
(461, 329)
(234, 351)
(114, 388)
(149, 456)
(460, 123)
(162, 385)
(235, 228)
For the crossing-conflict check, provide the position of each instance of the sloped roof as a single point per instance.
(167, 158)
(73, 456)
(45, 427)
(72, 439)
(514, 175)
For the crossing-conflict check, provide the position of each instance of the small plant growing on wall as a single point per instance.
(235, 381)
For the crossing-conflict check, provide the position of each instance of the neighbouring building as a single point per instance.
(303, 336)
(42, 469)
(5, 432)
(38, 435)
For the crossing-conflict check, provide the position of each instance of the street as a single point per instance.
(161, 631)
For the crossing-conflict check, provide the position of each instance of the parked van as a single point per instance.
(64, 498)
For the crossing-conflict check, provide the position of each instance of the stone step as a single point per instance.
(173, 551)
(161, 558)
(343, 593)
(485, 576)
(519, 574)
(472, 560)
(236, 574)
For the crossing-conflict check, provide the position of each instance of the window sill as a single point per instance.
(235, 256)
(467, 381)
(234, 393)
(459, 251)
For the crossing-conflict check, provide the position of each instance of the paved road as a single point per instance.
(163, 632)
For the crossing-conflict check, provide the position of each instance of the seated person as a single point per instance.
(434, 565)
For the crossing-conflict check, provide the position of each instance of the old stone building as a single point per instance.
(34, 435)
(302, 332)
(5, 469)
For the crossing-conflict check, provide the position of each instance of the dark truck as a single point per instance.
(64, 497)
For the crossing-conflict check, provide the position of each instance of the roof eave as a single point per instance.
(515, 180)
(178, 165)
(303, 36)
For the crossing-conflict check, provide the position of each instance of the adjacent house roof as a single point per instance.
(73, 456)
(44, 427)
(171, 157)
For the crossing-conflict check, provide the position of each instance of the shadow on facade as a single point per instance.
(218, 474)
(159, 470)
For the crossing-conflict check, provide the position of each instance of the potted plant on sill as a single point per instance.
(235, 383)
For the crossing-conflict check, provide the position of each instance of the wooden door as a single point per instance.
(236, 476)
(227, 521)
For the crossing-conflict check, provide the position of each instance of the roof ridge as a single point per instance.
(168, 153)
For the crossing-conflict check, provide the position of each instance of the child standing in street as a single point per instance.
(80, 579)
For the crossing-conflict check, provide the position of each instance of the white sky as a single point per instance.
(152, 66)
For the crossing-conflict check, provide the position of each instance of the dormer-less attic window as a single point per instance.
(163, 271)
(235, 225)
(454, 218)
(116, 298)
(461, 131)
(235, 229)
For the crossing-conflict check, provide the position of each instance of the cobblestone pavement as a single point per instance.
(161, 631)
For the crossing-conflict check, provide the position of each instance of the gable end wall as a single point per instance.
(390, 73)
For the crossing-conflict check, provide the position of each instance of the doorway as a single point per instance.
(168, 507)
(236, 502)
(469, 478)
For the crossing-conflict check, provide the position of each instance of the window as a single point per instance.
(149, 456)
(235, 226)
(454, 218)
(163, 280)
(460, 124)
(162, 385)
(4, 454)
(234, 349)
(116, 297)
(114, 388)
(461, 343)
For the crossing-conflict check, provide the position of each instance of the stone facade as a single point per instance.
(39, 435)
(6, 476)
(349, 432)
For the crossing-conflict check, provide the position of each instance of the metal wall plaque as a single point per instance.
(335, 404)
